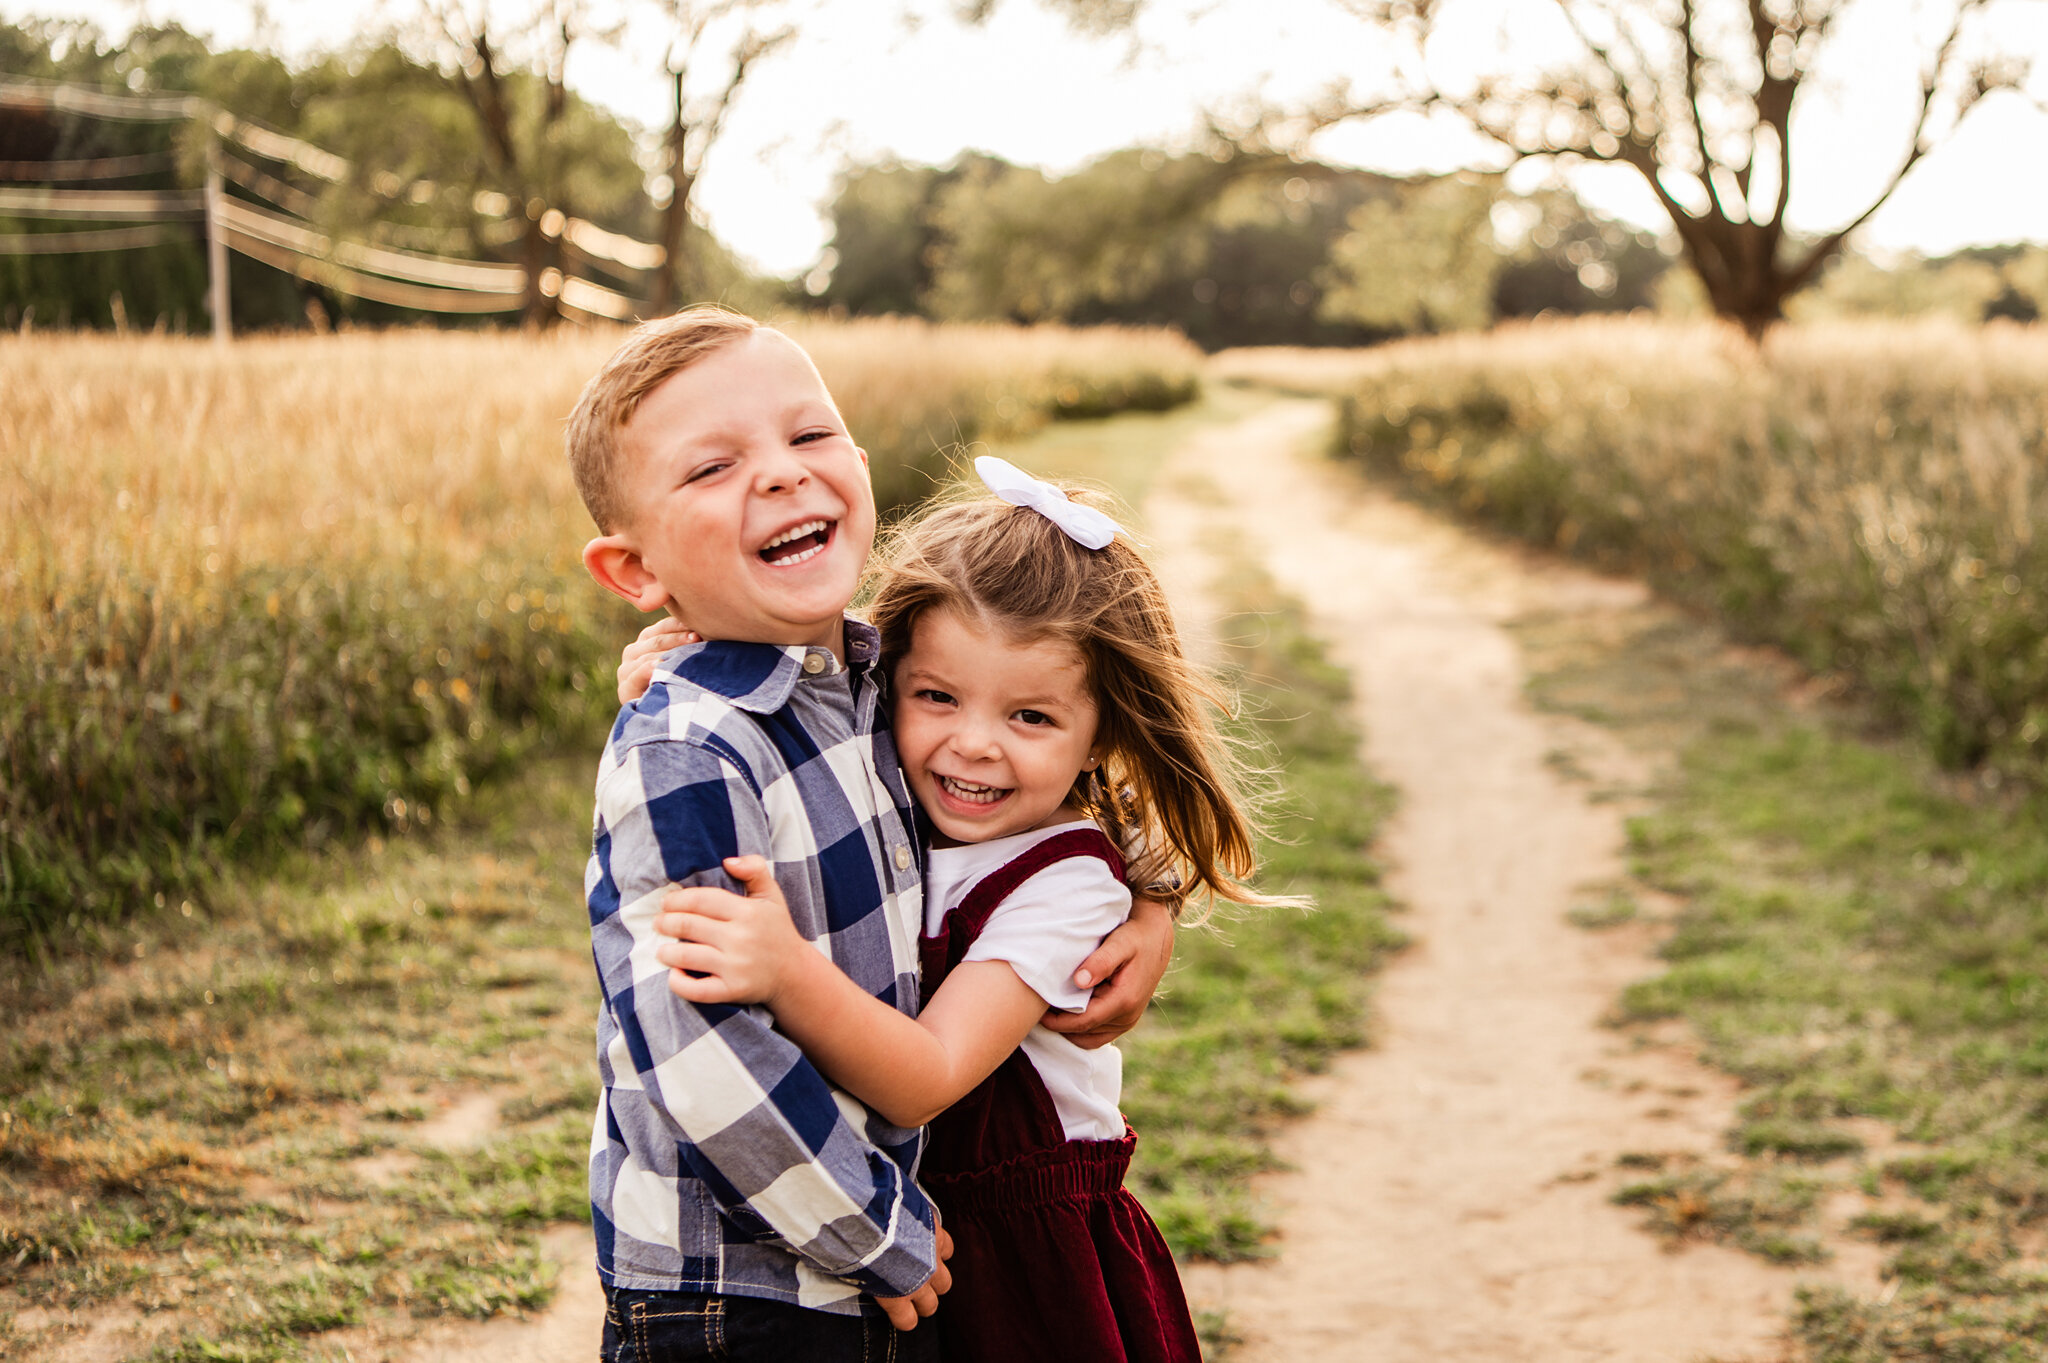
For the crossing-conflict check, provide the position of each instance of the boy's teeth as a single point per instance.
(793, 540)
(809, 528)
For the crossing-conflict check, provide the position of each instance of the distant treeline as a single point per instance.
(1231, 244)
(1233, 248)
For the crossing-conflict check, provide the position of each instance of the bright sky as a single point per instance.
(869, 78)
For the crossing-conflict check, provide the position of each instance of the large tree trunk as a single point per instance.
(1738, 266)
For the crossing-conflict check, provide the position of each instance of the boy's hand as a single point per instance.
(903, 1312)
(1125, 972)
(636, 664)
(743, 950)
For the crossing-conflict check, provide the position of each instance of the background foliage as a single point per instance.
(346, 103)
(1870, 499)
(265, 596)
(1232, 248)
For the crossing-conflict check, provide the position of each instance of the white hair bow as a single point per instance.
(1083, 524)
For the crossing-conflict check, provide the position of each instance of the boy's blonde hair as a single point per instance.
(1180, 789)
(651, 355)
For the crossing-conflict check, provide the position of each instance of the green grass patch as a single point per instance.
(223, 1118)
(1760, 1210)
(1618, 906)
(1862, 938)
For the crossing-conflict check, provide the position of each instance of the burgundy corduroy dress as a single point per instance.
(1052, 1257)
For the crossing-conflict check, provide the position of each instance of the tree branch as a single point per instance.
(1693, 60)
(1930, 88)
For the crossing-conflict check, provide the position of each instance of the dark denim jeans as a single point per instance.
(672, 1327)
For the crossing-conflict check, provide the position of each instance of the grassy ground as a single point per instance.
(1862, 939)
(352, 1091)
(228, 1127)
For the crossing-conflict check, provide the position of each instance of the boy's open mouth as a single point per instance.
(798, 543)
(967, 792)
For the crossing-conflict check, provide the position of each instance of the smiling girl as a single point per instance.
(1046, 720)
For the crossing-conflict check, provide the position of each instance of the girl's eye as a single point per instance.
(1034, 718)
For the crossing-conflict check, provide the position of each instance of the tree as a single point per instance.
(1015, 244)
(518, 118)
(1424, 260)
(1696, 96)
(697, 117)
(883, 237)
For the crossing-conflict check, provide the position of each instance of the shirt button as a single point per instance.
(814, 663)
(902, 858)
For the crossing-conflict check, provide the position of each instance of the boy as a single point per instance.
(742, 1204)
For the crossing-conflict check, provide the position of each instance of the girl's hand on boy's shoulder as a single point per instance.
(636, 664)
(730, 948)
(1124, 972)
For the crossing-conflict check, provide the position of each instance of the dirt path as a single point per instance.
(1449, 1198)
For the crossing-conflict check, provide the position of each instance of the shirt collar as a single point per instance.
(759, 678)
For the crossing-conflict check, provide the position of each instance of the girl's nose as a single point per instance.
(974, 739)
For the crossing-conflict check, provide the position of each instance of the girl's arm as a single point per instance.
(746, 950)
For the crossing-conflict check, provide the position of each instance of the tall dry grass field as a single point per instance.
(306, 585)
(1872, 497)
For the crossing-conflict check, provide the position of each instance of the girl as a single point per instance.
(1046, 719)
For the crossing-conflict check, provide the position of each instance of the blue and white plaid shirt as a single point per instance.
(722, 1161)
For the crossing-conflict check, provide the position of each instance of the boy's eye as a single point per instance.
(935, 697)
(706, 470)
(809, 436)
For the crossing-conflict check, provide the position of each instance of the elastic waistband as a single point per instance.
(1075, 1169)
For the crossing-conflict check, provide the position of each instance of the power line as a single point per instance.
(438, 271)
(105, 239)
(99, 168)
(104, 205)
(27, 92)
(409, 279)
(344, 280)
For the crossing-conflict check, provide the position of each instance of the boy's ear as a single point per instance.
(619, 569)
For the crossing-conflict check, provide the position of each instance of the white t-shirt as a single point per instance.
(1044, 930)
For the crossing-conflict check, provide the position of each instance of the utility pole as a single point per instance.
(216, 251)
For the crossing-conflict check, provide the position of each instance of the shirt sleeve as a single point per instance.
(1050, 923)
(785, 1155)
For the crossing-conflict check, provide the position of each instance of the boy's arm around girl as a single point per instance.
(749, 1118)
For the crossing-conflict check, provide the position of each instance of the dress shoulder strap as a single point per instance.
(992, 889)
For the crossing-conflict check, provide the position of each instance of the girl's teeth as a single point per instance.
(980, 795)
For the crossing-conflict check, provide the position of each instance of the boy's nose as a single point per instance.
(780, 471)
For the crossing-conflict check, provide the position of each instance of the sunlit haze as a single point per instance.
(882, 78)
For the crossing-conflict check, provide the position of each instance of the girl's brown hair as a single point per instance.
(1180, 798)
